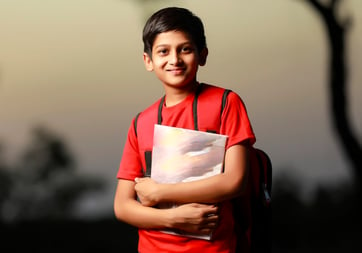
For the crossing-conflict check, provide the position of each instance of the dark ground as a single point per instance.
(69, 236)
(330, 222)
(326, 225)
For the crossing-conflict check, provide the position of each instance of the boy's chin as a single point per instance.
(179, 84)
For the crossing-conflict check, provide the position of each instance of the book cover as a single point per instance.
(182, 155)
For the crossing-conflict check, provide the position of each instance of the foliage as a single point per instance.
(329, 222)
(44, 183)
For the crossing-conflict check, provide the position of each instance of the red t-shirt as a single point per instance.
(236, 125)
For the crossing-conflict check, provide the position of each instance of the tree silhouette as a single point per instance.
(336, 30)
(46, 154)
(5, 178)
(44, 184)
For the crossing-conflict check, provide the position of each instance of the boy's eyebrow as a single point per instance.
(161, 45)
(181, 44)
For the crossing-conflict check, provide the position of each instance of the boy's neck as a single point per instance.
(177, 95)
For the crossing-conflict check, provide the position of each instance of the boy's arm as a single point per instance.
(194, 218)
(214, 189)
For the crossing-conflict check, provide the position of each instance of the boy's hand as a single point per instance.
(146, 190)
(195, 218)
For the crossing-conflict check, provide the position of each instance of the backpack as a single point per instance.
(252, 211)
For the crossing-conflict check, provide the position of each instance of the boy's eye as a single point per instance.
(162, 51)
(187, 49)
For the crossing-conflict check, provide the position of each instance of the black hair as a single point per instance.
(173, 19)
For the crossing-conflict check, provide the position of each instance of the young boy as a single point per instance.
(174, 48)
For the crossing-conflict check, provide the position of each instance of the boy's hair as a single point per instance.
(173, 19)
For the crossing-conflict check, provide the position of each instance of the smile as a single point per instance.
(176, 71)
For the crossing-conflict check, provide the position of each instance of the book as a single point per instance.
(183, 155)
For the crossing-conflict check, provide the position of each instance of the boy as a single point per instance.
(174, 48)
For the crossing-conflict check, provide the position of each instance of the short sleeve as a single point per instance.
(235, 122)
(130, 165)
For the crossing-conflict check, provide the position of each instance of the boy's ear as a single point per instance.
(148, 62)
(203, 56)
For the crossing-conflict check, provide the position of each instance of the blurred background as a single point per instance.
(72, 78)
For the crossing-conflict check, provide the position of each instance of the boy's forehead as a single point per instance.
(172, 37)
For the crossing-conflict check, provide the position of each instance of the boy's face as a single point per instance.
(175, 59)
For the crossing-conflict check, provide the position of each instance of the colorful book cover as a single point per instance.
(182, 155)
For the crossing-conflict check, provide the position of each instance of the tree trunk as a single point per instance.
(338, 82)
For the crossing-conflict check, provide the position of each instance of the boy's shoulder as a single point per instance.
(213, 93)
(149, 114)
(210, 90)
(154, 105)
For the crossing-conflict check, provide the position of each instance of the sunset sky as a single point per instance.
(75, 66)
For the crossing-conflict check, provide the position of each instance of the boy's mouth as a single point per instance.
(176, 71)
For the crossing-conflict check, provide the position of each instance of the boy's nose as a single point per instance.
(175, 58)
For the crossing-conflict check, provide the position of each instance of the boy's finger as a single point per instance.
(138, 179)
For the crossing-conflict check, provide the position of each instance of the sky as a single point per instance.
(75, 66)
